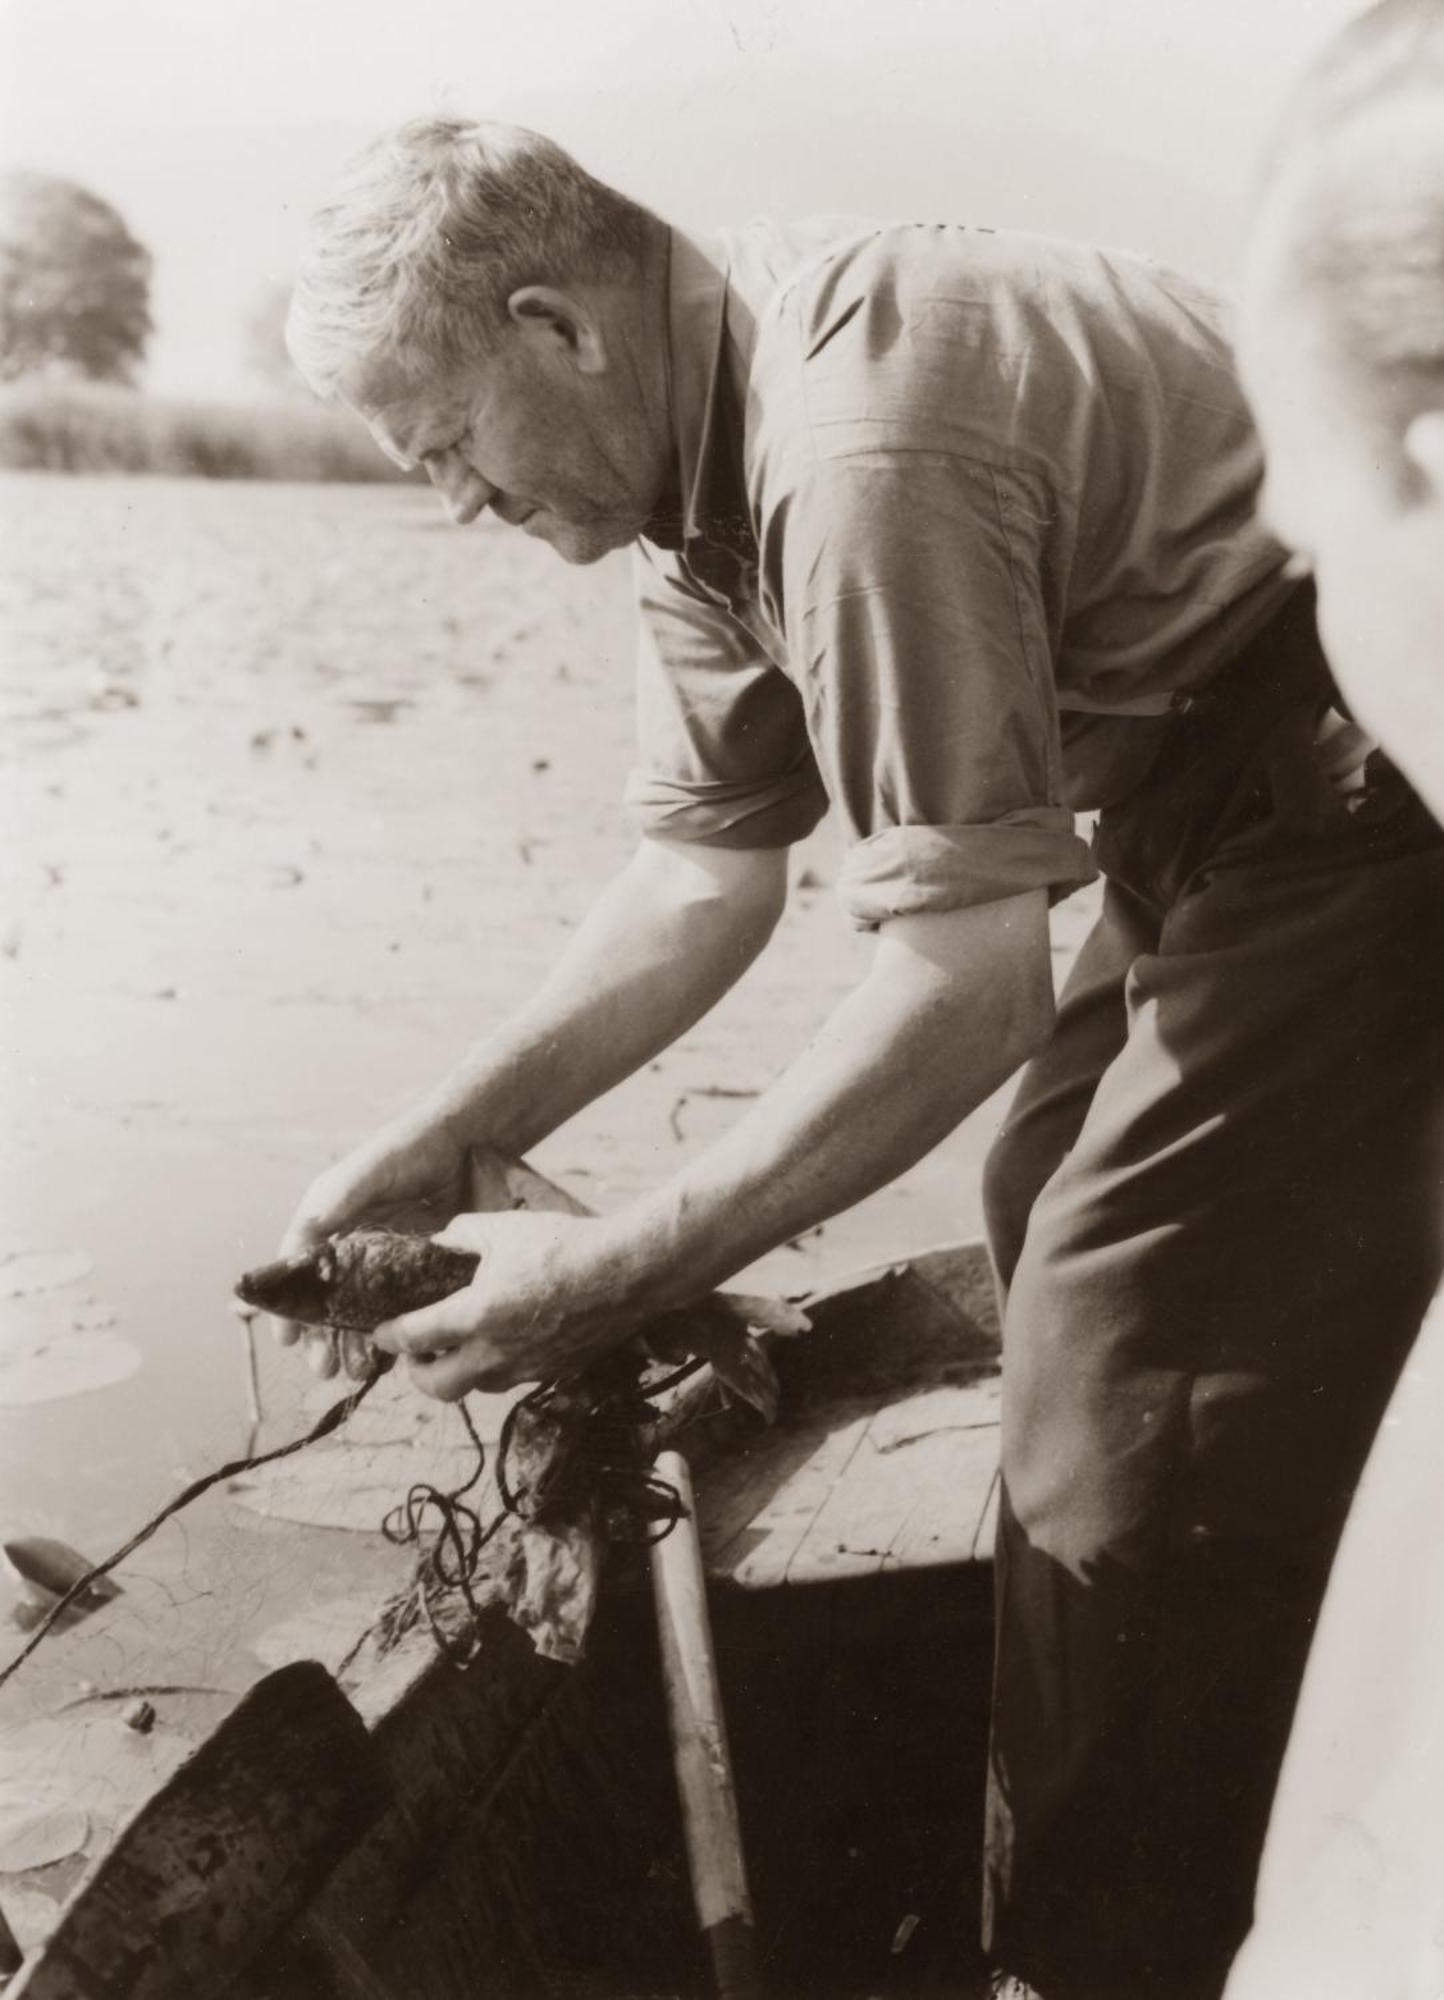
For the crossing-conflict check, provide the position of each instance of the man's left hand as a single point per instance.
(543, 1302)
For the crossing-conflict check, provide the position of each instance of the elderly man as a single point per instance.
(953, 532)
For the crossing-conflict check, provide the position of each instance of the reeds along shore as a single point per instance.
(76, 426)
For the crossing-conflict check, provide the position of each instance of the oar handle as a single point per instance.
(699, 1748)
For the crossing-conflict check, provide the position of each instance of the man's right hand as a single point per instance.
(411, 1175)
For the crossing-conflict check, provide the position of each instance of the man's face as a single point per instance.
(521, 434)
(1340, 492)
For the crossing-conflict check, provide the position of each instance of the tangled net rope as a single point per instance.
(602, 1438)
(599, 1438)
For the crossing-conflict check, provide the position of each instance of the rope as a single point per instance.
(330, 1419)
(602, 1451)
(454, 1555)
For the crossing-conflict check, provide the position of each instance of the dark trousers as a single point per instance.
(1213, 1211)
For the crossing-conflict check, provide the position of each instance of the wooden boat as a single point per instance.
(405, 1830)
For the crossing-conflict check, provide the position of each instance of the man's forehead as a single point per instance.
(380, 389)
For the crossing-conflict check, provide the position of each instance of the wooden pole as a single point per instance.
(699, 1749)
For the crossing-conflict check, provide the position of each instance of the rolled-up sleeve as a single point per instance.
(917, 637)
(724, 756)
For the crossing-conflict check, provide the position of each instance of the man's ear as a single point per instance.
(1424, 449)
(560, 326)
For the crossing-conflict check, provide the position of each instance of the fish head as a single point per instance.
(292, 1287)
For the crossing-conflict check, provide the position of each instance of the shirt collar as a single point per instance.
(713, 529)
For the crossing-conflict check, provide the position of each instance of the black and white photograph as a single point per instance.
(721, 1000)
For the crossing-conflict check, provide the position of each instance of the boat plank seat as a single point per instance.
(885, 1455)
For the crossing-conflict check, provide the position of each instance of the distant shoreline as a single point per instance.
(79, 426)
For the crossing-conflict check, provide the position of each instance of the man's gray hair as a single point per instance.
(431, 231)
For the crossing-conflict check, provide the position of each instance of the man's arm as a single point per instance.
(664, 942)
(954, 1002)
(661, 945)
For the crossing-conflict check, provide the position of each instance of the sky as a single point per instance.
(214, 126)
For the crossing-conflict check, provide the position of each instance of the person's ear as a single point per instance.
(559, 326)
(1424, 449)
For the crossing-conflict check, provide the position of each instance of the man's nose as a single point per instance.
(463, 491)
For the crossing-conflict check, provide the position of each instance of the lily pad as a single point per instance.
(64, 1364)
(52, 1762)
(396, 1413)
(36, 1839)
(31, 1914)
(354, 1488)
(325, 1632)
(92, 1316)
(29, 1272)
(25, 1323)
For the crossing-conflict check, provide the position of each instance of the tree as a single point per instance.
(74, 283)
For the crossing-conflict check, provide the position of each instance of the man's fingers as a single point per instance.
(321, 1357)
(318, 1345)
(467, 1232)
(429, 1328)
(305, 1232)
(285, 1332)
(327, 1350)
(445, 1353)
(453, 1374)
(355, 1351)
(447, 1377)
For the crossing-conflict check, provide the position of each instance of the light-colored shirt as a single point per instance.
(959, 515)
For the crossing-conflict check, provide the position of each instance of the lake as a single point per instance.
(303, 790)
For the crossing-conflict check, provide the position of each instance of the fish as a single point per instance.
(358, 1278)
(576, 1452)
